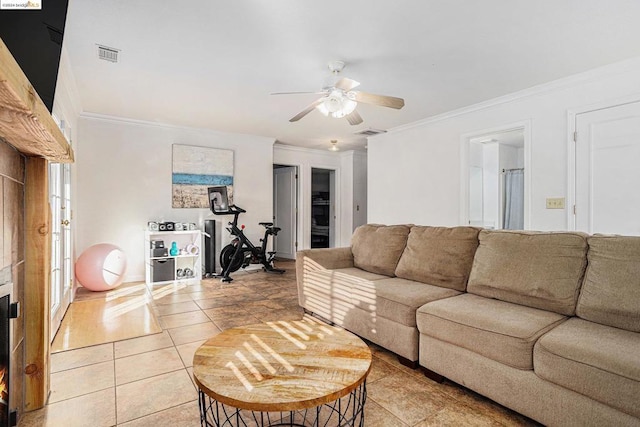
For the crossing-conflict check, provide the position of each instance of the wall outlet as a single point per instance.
(555, 202)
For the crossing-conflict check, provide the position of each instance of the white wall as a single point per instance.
(67, 107)
(420, 165)
(354, 178)
(359, 204)
(66, 102)
(124, 180)
(491, 185)
(342, 164)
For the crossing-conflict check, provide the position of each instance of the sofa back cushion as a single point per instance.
(537, 269)
(610, 293)
(439, 256)
(377, 248)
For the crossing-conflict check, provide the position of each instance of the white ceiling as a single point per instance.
(213, 64)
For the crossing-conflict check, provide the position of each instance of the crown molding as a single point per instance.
(296, 149)
(127, 120)
(554, 85)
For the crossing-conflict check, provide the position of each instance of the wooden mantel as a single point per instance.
(25, 122)
(27, 125)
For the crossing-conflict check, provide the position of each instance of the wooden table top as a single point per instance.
(281, 365)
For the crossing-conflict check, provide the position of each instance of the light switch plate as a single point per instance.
(555, 202)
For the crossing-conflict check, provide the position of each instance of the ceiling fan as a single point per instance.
(339, 100)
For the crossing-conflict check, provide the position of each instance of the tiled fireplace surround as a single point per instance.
(12, 172)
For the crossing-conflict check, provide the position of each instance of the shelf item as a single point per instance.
(186, 266)
(163, 270)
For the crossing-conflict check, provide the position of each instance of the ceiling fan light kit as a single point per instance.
(338, 104)
(339, 100)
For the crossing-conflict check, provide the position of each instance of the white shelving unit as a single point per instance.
(181, 261)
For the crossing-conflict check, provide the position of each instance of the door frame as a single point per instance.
(572, 117)
(337, 226)
(66, 244)
(466, 138)
(296, 191)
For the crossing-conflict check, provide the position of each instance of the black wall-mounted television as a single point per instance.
(34, 38)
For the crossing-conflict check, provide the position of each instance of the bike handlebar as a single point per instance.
(233, 210)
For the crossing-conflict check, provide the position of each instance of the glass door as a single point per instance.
(61, 242)
(61, 268)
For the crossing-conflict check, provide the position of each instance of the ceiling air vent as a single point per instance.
(370, 132)
(108, 53)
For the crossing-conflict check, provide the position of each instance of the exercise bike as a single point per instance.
(241, 252)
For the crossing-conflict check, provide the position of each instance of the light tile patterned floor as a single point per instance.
(147, 381)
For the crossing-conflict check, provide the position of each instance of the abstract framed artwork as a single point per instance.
(197, 168)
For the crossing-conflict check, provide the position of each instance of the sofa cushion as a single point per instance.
(537, 269)
(377, 248)
(440, 256)
(396, 299)
(499, 330)
(354, 272)
(610, 292)
(595, 360)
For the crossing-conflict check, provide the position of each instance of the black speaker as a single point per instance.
(209, 247)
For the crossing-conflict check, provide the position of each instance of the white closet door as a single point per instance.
(608, 170)
(284, 206)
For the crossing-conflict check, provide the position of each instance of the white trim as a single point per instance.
(572, 117)
(562, 83)
(296, 149)
(526, 125)
(571, 170)
(337, 239)
(117, 119)
(299, 205)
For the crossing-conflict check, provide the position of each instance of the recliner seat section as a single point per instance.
(545, 323)
(499, 330)
(594, 360)
(598, 353)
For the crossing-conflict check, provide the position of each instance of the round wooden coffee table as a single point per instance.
(293, 373)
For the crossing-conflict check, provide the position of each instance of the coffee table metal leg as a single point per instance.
(348, 411)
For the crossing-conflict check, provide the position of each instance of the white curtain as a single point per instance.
(513, 215)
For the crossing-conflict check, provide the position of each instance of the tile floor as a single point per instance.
(147, 381)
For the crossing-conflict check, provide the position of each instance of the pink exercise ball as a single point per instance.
(101, 267)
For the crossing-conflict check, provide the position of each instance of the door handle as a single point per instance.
(65, 222)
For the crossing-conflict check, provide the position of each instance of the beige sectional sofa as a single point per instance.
(547, 324)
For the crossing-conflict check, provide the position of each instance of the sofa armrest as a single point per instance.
(320, 259)
(328, 258)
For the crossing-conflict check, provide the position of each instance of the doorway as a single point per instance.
(495, 187)
(285, 210)
(607, 148)
(323, 211)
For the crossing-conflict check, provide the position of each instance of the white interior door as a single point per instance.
(608, 170)
(284, 210)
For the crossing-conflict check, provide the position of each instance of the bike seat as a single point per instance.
(265, 224)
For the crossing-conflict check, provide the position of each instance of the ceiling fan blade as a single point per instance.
(294, 93)
(382, 100)
(306, 111)
(346, 84)
(354, 118)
